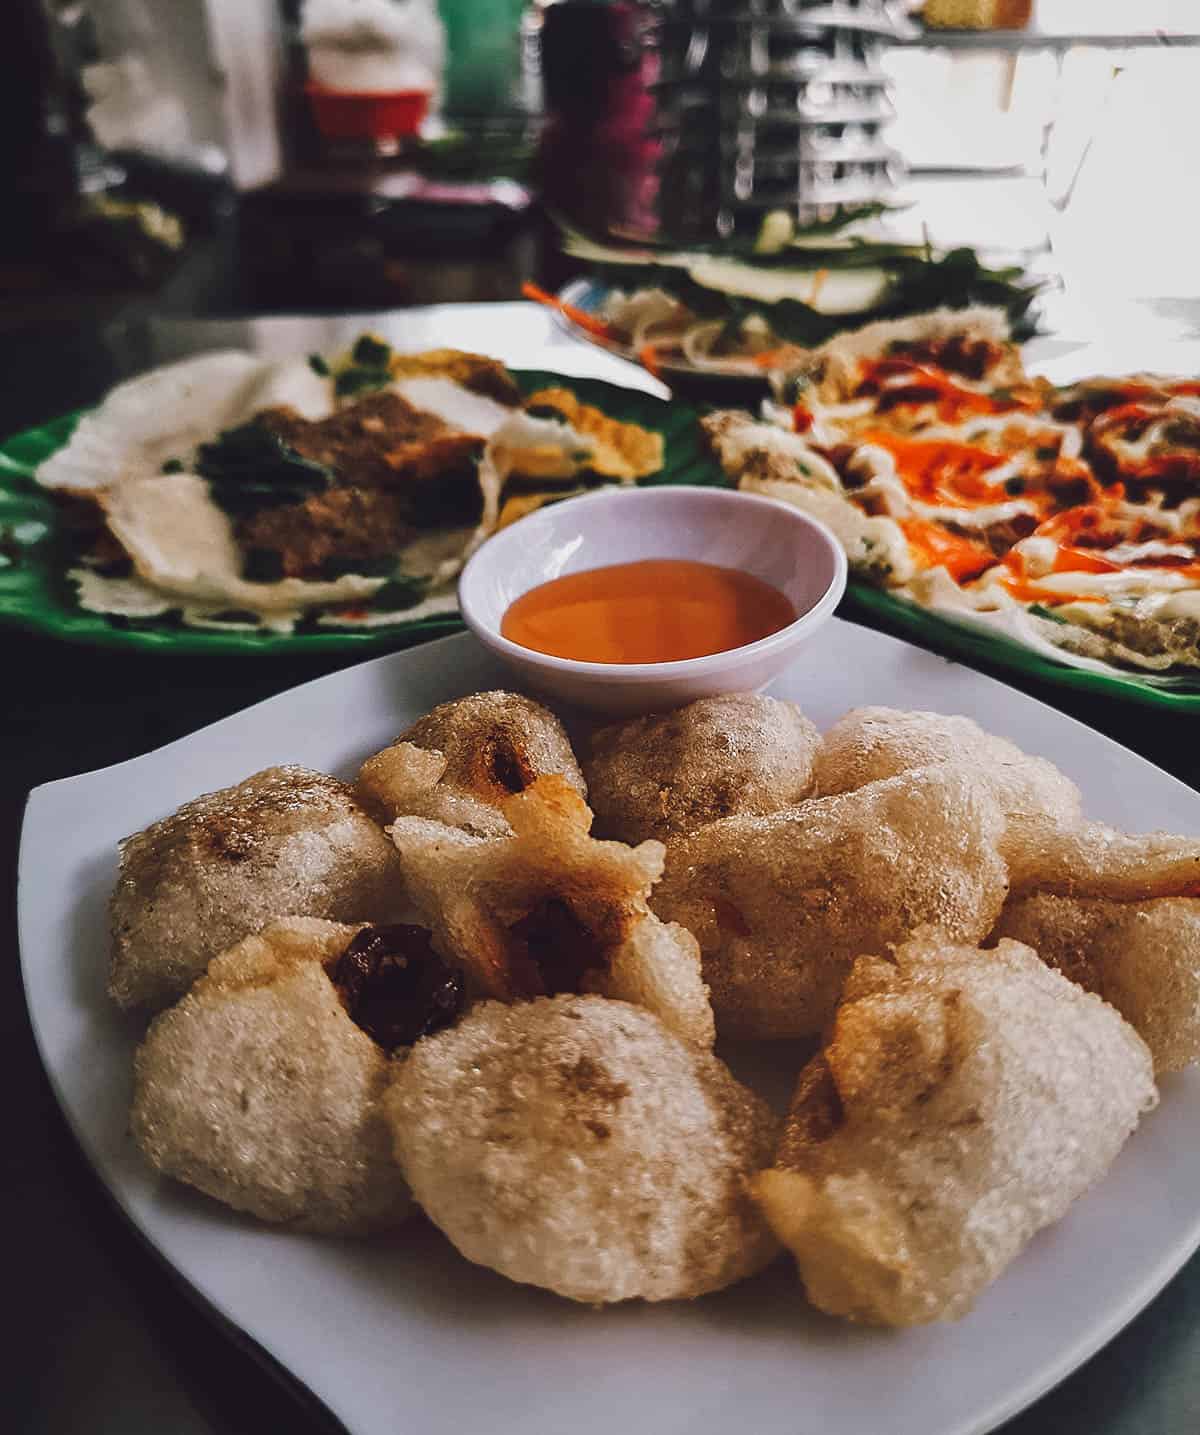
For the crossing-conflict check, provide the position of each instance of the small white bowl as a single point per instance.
(761, 536)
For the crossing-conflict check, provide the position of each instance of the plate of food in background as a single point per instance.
(229, 503)
(399, 938)
(715, 319)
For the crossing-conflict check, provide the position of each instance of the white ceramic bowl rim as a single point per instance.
(811, 617)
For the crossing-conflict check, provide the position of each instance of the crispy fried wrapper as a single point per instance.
(1094, 860)
(550, 909)
(285, 841)
(1142, 957)
(871, 743)
(260, 1090)
(782, 905)
(670, 773)
(576, 1144)
(962, 1102)
(459, 763)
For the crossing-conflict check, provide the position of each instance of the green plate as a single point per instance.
(35, 593)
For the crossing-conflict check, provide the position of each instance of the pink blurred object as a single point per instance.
(346, 115)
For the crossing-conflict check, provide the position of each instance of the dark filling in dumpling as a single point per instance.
(395, 986)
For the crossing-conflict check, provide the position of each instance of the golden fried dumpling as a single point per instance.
(491, 745)
(286, 841)
(782, 905)
(1141, 957)
(550, 909)
(868, 744)
(574, 1143)
(261, 1087)
(963, 1101)
(667, 774)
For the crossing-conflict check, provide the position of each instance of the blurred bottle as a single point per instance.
(484, 58)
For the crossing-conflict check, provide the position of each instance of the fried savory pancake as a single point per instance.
(962, 1102)
(473, 371)
(665, 775)
(782, 905)
(380, 441)
(575, 1144)
(492, 745)
(868, 744)
(260, 1090)
(286, 841)
(623, 451)
(549, 909)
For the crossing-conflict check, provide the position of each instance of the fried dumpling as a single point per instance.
(575, 1143)
(550, 909)
(962, 1102)
(261, 1089)
(286, 841)
(782, 905)
(491, 746)
(665, 775)
(872, 743)
(1142, 957)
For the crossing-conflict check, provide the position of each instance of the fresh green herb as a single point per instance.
(356, 380)
(371, 353)
(172, 465)
(1038, 611)
(249, 468)
(318, 365)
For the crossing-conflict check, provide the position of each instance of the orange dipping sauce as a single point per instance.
(659, 610)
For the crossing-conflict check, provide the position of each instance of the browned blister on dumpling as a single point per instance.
(1142, 957)
(286, 841)
(964, 1099)
(665, 775)
(869, 744)
(550, 909)
(575, 1143)
(782, 905)
(459, 763)
(261, 1089)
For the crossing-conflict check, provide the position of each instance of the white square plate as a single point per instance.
(405, 1336)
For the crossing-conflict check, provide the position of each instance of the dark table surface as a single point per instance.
(103, 1337)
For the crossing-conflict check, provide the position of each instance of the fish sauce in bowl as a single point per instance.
(655, 610)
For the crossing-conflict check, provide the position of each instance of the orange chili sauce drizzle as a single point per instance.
(658, 610)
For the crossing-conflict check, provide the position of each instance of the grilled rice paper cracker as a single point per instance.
(1143, 958)
(963, 1100)
(624, 451)
(782, 905)
(761, 458)
(165, 414)
(549, 909)
(460, 762)
(872, 743)
(973, 344)
(261, 1090)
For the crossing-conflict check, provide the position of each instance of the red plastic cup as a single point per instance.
(361, 115)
